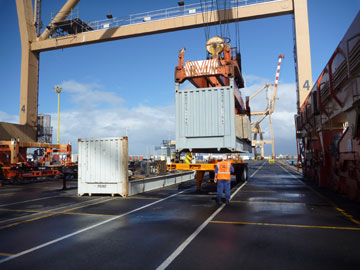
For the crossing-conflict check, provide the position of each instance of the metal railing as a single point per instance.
(180, 11)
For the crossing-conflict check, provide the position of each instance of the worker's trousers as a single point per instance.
(221, 185)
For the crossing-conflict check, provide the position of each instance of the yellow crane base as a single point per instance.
(192, 166)
(201, 168)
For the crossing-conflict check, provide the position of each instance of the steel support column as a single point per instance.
(29, 65)
(302, 46)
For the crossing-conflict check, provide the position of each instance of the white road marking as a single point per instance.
(33, 200)
(55, 209)
(85, 229)
(262, 165)
(180, 249)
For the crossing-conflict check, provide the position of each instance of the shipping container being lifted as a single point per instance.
(213, 117)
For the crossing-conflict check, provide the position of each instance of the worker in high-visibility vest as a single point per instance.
(223, 172)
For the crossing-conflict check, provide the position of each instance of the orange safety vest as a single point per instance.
(224, 170)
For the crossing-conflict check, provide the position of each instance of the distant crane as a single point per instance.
(255, 126)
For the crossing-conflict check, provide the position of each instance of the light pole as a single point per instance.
(57, 89)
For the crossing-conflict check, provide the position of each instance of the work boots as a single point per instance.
(218, 202)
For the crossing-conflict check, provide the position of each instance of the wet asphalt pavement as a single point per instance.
(274, 221)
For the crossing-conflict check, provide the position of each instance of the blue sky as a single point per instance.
(130, 83)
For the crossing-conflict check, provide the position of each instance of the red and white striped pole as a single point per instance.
(281, 56)
(272, 104)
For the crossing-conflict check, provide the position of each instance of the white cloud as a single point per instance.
(254, 80)
(146, 125)
(89, 95)
(4, 117)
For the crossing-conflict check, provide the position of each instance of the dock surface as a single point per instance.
(275, 221)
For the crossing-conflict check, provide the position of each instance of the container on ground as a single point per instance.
(103, 166)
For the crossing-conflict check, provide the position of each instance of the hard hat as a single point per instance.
(224, 157)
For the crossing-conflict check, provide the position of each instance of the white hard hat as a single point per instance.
(224, 157)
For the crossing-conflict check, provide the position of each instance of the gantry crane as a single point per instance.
(33, 43)
(255, 126)
(78, 33)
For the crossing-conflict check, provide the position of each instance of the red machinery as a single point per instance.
(15, 166)
(328, 124)
(225, 64)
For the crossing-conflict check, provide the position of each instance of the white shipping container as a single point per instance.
(103, 166)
